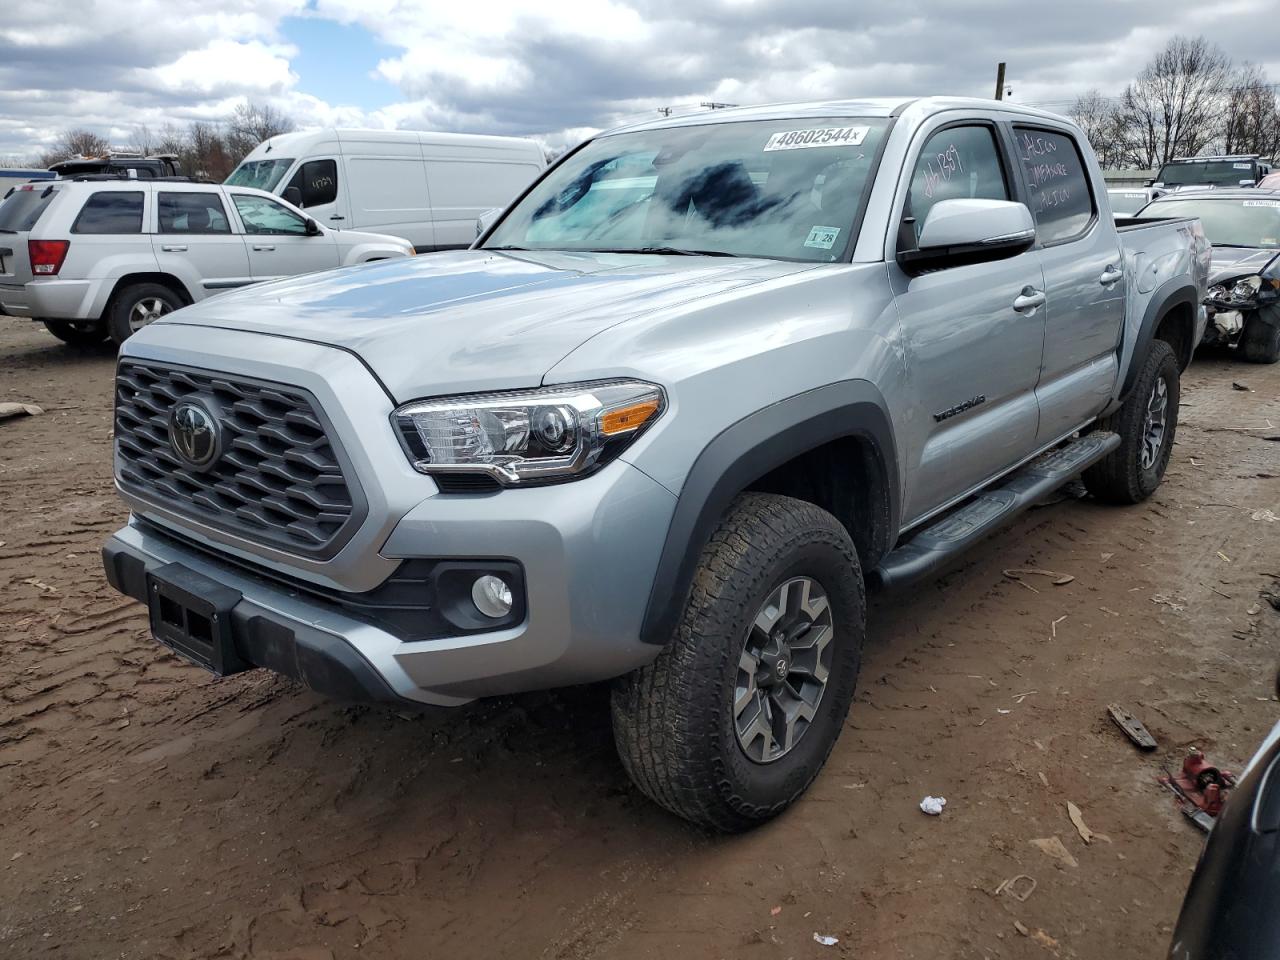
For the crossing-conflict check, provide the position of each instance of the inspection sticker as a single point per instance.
(1262, 203)
(818, 137)
(824, 238)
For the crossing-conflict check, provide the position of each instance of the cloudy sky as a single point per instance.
(557, 69)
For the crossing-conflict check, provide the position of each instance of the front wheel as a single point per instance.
(1146, 422)
(737, 715)
(77, 333)
(136, 306)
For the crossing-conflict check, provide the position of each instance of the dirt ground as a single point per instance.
(149, 811)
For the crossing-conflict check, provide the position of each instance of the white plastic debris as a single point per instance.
(826, 941)
(933, 805)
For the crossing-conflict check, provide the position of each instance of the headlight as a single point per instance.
(1218, 292)
(1246, 289)
(517, 438)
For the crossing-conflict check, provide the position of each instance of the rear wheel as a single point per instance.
(1260, 341)
(736, 716)
(77, 333)
(1146, 422)
(136, 306)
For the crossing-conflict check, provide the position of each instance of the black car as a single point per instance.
(1244, 285)
(1232, 908)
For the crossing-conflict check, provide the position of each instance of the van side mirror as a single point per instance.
(971, 231)
(293, 195)
(1149, 182)
(485, 221)
(313, 228)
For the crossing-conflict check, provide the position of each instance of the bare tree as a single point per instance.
(75, 143)
(1250, 115)
(1100, 119)
(253, 123)
(1172, 108)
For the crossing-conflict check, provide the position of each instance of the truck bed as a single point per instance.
(1130, 224)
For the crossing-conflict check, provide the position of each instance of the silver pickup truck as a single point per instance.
(705, 380)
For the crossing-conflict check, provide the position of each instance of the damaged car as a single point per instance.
(1244, 288)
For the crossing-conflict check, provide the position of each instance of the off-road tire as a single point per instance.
(77, 333)
(1120, 477)
(1260, 341)
(124, 301)
(673, 720)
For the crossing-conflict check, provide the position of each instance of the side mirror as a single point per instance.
(313, 228)
(971, 231)
(293, 195)
(1149, 182)
(486, 220)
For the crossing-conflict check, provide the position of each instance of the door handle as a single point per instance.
(337, 217)
(1112, 274)
(1028, 300)
(264, 246)
(174, 248)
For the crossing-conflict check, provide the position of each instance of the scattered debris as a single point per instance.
(1241, 387)
(1265, 515)
(1054, 848)
(1109, 611)
(1253, 611)
(1001, 710)
(8, 410)
(1019, 697)
(40, 585)
(826, 941)
(1058, 578)
(1017, 888)
(1053, 627)
(1132, 727)
(1044, 940)
(1021, 928)
(1107, 556)
(1077, 818)
(775, 911)
(1043, 778)
(1174, 602)
(933, 805)
(1200, 788)
(1223, 557)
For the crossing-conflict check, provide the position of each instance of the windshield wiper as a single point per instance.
(667, 251)
(508, 247)
(1238, 246)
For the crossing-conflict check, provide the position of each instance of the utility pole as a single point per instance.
(1000, 81)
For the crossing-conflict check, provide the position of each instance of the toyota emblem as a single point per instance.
(194, 434)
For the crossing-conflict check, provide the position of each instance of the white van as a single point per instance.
(428, 188)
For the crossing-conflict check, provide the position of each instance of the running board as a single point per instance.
(935, 545)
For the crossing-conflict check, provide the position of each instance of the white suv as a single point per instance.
(98, 257)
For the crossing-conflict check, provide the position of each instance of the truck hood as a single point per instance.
(1232, 262)
(474, 320)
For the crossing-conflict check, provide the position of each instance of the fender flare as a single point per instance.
(1174, 292)
(748, 450)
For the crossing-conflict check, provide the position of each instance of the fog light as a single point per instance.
(492, 596)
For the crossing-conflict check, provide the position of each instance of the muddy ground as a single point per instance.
(149, 811)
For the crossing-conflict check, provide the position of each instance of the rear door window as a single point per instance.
(1061, 199)
(23, 208)
(192, 213)
(111, 211)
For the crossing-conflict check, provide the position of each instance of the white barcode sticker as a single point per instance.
(817, 137)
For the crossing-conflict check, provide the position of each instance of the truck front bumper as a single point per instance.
(585, 553)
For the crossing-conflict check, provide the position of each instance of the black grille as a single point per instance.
(278, 479)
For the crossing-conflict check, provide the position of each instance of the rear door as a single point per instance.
(19, 213)
(972, 332)
(195, 241)
(1083, 269)
(277, 238)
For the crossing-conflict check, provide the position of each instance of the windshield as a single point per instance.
(1220, 173)
(262, 174)
(780, 189)
(1227, 222)
(1125, 202)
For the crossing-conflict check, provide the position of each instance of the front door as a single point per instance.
(321, 192)
(279, 245)
(972, 334)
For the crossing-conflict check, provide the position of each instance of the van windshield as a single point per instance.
(780, 189)
(260, 174)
